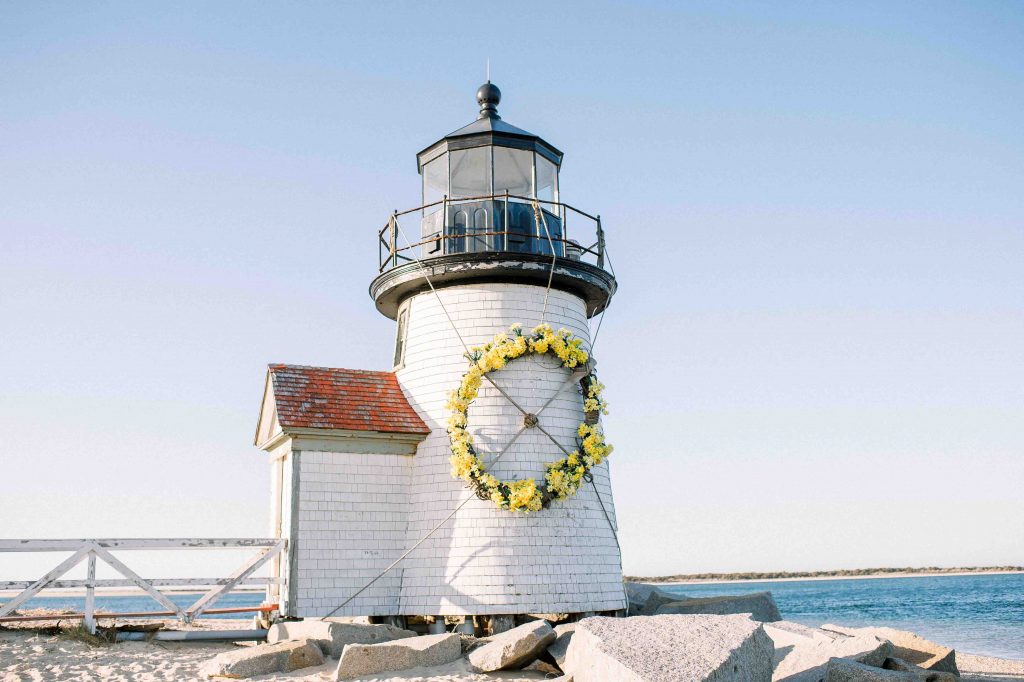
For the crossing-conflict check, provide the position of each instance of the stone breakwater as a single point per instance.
(664, 638)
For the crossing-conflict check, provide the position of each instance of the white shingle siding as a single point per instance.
(352, 516)
(357, 513)
(488, 561)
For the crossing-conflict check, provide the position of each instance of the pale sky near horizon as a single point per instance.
(816, 212)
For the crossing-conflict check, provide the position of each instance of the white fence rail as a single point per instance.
(92, 549)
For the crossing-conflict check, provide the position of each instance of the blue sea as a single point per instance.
(980, 614)
(141, 602)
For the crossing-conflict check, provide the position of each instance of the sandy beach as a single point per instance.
(41, 656)
(37, 655)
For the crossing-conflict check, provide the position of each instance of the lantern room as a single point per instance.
(490, 186)
(491, 209)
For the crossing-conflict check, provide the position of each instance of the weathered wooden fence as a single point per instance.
(92, 549)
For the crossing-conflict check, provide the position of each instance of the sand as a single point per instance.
(988, 668)
(35, 656)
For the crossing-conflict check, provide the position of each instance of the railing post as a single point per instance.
(600, 244)
(505, 222)
(444, 225)
(90, 595)
(394, 239)
(564, 215)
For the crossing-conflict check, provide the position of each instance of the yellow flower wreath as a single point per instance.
(562, 478)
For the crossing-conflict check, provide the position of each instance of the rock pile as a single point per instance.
(333, 635)
(667, 637)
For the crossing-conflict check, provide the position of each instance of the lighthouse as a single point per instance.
(472, 478)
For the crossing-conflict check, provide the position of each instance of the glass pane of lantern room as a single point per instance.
(470, 172)
(513, 171)
(435, 186)
(435, 180)
(547, 180)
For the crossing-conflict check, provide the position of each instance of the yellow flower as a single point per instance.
(522, 494)
(563, 478)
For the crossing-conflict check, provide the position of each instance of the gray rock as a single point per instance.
(558, 648)
(640, 598)
(844, 670)
(760, 605)
(910, 647)
(669, 648)
(803, 653)
(263, 659)
(333, 635)
(922, 674)
(426, 651)
(542, 668)
(789, 632)
(513, 648)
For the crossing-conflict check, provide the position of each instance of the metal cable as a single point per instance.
(426, 276)
(424, 538)
(538, 216)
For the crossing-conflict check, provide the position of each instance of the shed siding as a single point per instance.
(352, 516)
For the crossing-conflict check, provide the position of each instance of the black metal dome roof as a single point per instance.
(489, 129)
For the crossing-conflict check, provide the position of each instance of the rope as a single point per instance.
(615, 531)
(538, 216)
(424, 538)
(465, 346)
(426, 275)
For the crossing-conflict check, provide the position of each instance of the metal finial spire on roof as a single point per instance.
(488, 96)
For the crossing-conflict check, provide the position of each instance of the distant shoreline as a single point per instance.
(780, 577)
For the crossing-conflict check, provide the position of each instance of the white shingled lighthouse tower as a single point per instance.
(364, 490)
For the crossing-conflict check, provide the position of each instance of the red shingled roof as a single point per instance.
(350, 399)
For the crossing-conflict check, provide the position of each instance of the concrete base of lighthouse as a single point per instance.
(486, 561)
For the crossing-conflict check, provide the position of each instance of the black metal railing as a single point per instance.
(493, 223)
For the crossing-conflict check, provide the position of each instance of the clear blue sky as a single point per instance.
(816, 212)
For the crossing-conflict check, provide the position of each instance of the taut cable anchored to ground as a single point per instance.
(538, 217)
(572, 379)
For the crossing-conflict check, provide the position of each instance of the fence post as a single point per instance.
(90, 595)
(600, 244)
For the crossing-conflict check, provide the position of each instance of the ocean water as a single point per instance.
(141, 602)
(980, 614)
